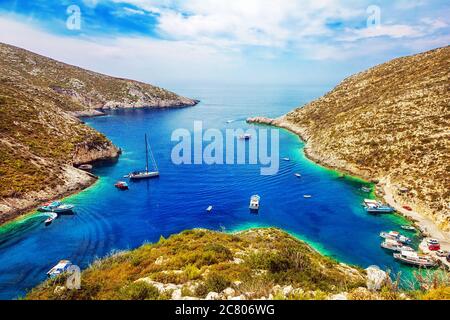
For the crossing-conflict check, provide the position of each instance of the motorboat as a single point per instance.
(394, 245)
(60, 268)
(298, 175)
(246, 136)
(49, 206)
(414, 259)
(374, 206)
(394, 235)
(51, 217)
(121, 185)
(209, 209)
(408, 228)
(64, 208)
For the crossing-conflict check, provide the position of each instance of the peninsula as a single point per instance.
(41, 138)
(389, 125)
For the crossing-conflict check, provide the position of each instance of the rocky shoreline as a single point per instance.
(75, 180)
(43, 140)
(385, 191)
(99, 112)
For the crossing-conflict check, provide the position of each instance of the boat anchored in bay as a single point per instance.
(254, 203)
(394, 245)
(374, 206)
(57, 207)
(394, 235)
(414, 259)
(139, 175)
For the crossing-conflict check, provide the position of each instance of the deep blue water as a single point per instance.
(106, 219)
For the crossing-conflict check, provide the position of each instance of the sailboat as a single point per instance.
(138, 175)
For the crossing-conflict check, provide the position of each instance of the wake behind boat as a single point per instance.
(51, 217)
(139, 175)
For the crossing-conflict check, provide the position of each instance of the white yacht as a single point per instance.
(414, 259)
(254, 202)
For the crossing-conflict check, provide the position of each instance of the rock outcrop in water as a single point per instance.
(40, 137)
(389, 124)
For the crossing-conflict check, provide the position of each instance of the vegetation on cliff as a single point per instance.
(41, 140)
(389, 123)
(198, 264)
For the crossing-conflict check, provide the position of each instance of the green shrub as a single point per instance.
(192, 272)
(217, 282)
(139, 290)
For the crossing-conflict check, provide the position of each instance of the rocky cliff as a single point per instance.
(40, 138)
(389, 124)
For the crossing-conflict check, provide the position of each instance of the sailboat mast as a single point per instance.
(146, 154)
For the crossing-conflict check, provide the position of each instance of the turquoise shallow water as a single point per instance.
(332, 221)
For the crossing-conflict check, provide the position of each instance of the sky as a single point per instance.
(268, 42)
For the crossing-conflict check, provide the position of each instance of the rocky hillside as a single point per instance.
(253, 264)
(83, 91)
(41, 140)
(389, 124)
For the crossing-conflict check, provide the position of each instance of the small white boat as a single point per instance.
(254, 202)
(230, 121)
(414, 259)
(57, 207)
(298, 175)
(307, 196)
(408, 228)
(374, 206)
(286, 159)
(51, 217)
(209, 209)
(60, 268)
(246, 136)
(365, 189)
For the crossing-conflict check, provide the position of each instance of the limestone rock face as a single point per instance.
(212, 296)
(375, 278)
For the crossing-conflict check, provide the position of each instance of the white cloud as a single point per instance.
(282, 25)
(249, 22)
(91, 3)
